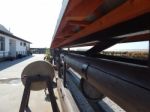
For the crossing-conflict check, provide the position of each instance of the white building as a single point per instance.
(12, 46)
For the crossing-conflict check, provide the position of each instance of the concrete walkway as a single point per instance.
(11, 88)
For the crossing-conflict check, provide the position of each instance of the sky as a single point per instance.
(143, 45)
(131, 46)
(32, 20)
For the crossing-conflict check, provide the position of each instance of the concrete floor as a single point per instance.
(11, 88)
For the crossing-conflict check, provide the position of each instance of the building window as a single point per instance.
(2, 43)
(24, 44)
(20, 43)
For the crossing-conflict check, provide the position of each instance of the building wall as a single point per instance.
(28, 46)
(6, 42)
(12, 47)
(20, 49)
(6, 52)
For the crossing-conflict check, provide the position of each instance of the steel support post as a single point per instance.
(26, 94)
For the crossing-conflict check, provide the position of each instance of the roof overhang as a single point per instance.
(13, 36)
(101, 20)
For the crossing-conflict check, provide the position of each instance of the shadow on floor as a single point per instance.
(6, 64)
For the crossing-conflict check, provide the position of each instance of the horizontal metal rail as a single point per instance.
(126, 84)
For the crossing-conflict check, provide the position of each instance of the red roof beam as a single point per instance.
(127, 11)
